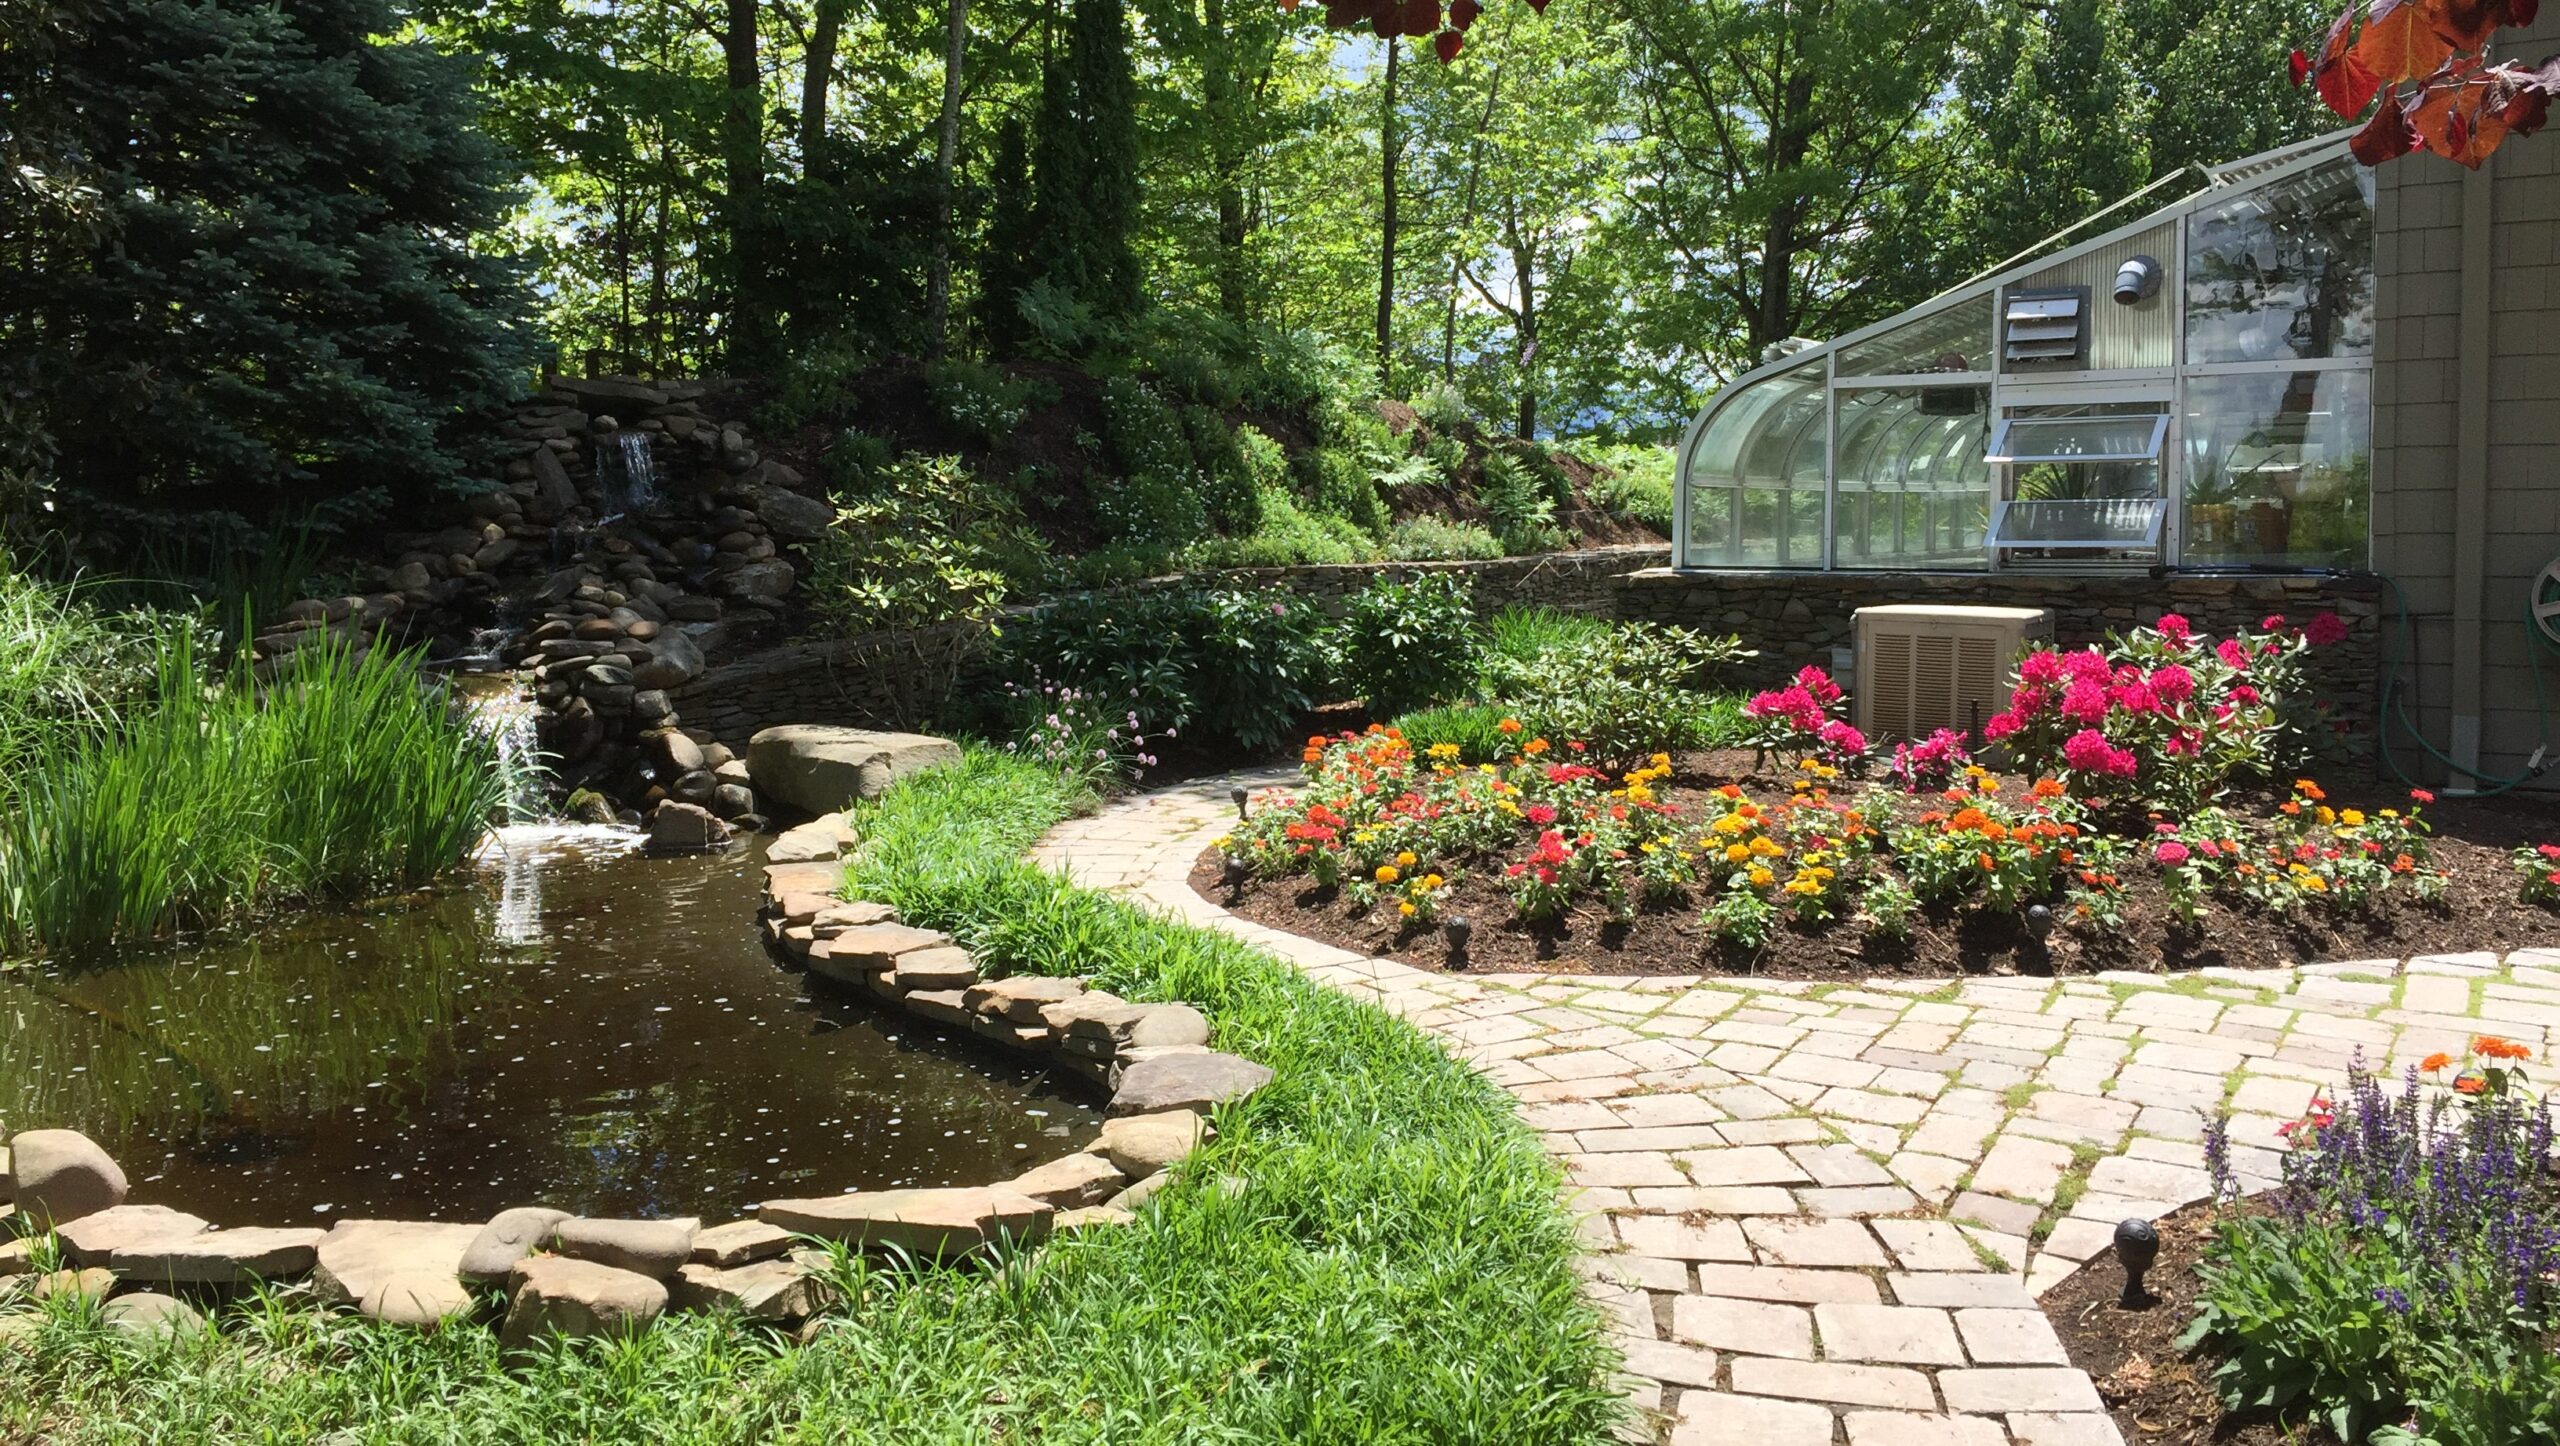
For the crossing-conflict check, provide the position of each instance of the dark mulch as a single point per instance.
(2159, 1395)
(2473, 838)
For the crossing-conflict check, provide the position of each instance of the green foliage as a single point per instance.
(67, 668)
(1008, 262)
(344, 776)
(1157, 501)
(1227, 487)
(1404, 645)
(1520, 635)
(1473, 728)
(1287, 536)
(980, 402)
(1085, 165)
(1236, 666)
(1334, 481)
(1437, 539)
(1635, 485)
(289, 288)
(924, 541)
(1627, 689)
(1523, 514)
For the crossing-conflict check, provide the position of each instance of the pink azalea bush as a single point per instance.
(2163, 714)
(1804, 716)
(1931, 765)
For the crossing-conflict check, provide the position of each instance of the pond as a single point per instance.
(576, 1026)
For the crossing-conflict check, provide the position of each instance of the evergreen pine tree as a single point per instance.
(1007, 262)
(282, 307)
(1085, 165)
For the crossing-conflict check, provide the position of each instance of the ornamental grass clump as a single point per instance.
(2400, 1285)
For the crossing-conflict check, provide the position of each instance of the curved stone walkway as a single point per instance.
(1823, 1213)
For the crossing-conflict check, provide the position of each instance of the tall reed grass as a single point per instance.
(343, 776)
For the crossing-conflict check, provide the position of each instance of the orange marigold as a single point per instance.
(2050, 788)
(1507, 725)
(2434, 1062)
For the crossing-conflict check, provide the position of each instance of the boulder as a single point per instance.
(836, 918)
(766, 1290)
(1020, 998)
(149, 1314)
(1136, 1196)
(684, 828)
(867, 949)
(1186, 1082)
(1062, 1015)
(1142, 1145)
(94, 1239)
(810, 878)
(1142, 1026)
(828, 836)
(934, 969)
(768, 578)
(817, 769)
(921, 1222)
(222, 1257)
(795, 518)
(553, 491)
(358, 1256)
(578, 1299)
(17, 1257)
(674, 660)
(741, 1242)
(654, 1248)
(603, 394)
(1083, 1178)
(1089, 1217)
(94, 1283)
(61, 1175)
(418, 1299)
(510, 1236)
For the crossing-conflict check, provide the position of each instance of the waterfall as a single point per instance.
(629, 473)
(506, 718)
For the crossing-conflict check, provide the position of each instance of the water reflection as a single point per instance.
(581, 1029)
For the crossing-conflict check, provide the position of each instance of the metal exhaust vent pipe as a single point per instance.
(2137, 280)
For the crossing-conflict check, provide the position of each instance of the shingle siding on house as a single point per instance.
(2420, 237)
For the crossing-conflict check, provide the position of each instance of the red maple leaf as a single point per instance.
(2387, 136)
(1447, 44)
(2400, 40)
(2342, 79)
(1463, 13)
(2467, 24)
(2467, 111)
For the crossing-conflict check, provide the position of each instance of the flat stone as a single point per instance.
(1062, 1015)
(654, 1248)
(222, 1257)
(510, 1236)
(17, 1257)
(2011, 1338)
(1018, 999)
(418, 1299)
(869, 949)
(93, 1282)
(578, 1300)
(1136, 1196)
(1186, 1082)
(358, 1256)
(1670, 1363)
(1748, 1327)
(149, 1314)
(1142, 1026)
(61, 1175)
(767, 1290)
(1898, 1334)
(1083, 1178)
(1088, 1217)
(835, 918)
(1140, 1145)
(741, 1242)
(1894, 1387)
(94, 1239)
(947, 967)
(922, 1222)
(820, 840)
(1904, 1428)
(1829, 1243)
(943, 1006)
(2023, 1169)
(2047, 1428)
(1713, 1418)
(817, 769)
(2019, 1388)
(822, 879)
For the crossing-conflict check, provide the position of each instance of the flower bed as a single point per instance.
(2152, 836)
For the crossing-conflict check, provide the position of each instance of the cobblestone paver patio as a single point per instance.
(1823, 1214)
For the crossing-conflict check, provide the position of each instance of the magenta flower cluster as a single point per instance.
(1800, 715)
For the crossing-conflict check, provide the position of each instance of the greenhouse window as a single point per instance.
(2133, 437)
(2099, 522)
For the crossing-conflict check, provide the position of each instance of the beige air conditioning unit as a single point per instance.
(1923, 667)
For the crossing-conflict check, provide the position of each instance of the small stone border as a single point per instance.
(578, 1277)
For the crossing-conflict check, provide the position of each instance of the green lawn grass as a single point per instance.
(1371, 1251)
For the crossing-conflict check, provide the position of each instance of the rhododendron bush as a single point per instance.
(1805, 716)
(2163, 715)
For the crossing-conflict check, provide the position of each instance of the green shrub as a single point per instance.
(1518, 634)
(1474, 728)
(857, 458)
(1265, 461)
(816, 383)
(1443, 408)
(979, 401)
(1116, 563)
(1630, 690)
(1227, 487)
(66, 667)
(926, 543)
(344, 776)
(1403, 645)
(1158, 498)
(1288, 536)
(1337, 482)
(1636, 486)
(1220, 663)
(1437, 539)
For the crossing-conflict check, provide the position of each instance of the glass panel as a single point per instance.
(2067, 439)
(1914, 487)
(1957, 339)
(2099, 522)
(2279, 469)
(1761, 454)
(2095, 478)
(2285, 271)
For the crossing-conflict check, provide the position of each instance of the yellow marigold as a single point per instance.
(2352, 818)
(1406, 860)
(1444, 750)
(1766, 847)
(1735, 853)
(2314, 884)
(1405, 909)
(1760, 877)
(1432, 881)
(1387, 873)
(2327, 815)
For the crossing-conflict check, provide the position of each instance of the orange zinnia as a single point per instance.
(2434, 1062)
(2470, 1084)
(2497, 1048)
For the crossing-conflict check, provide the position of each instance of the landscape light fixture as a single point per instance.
(2137, 1246)
(1456, 931)
(1240, 798)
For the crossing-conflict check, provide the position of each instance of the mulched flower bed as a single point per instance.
(2472, 845)
(2159, 1395)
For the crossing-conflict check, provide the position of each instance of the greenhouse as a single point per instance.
(2189, 391)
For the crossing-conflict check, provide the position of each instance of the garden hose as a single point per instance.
(2540, 639)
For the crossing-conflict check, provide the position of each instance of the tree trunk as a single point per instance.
(946, 161)
(1389, 143)
(1220, 89)
(1524, 267)
(817, 73)
(1790, 141)
(742, 149)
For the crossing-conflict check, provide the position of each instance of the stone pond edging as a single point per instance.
(578, 1277)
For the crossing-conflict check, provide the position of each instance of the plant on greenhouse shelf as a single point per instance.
(2538, 870)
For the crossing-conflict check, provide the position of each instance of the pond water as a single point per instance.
(575, 1026)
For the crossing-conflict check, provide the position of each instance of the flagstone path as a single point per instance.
(1822, 1214)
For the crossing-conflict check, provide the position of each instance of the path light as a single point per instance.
(2137, 1246)
(1233, 874)
(2039, 922)
(1240, 797)
(1456, 931)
